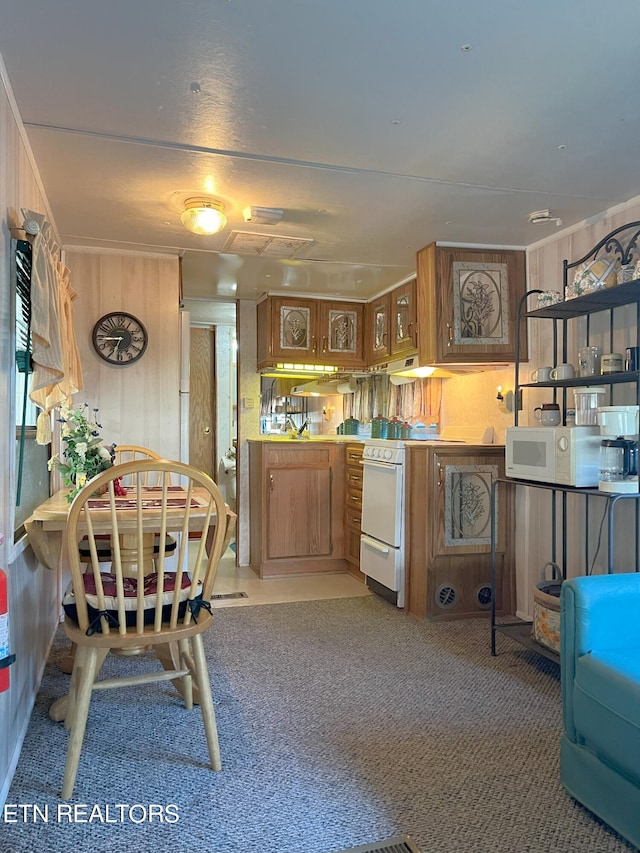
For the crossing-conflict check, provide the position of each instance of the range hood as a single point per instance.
(318, 388)
(410, 368)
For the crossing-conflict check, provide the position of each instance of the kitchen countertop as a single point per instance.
(281, 439)
(350, 439)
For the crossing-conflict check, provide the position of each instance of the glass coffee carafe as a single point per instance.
(619, 465)
(619, 448)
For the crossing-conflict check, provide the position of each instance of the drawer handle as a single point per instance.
(356, 498)
(375, 546)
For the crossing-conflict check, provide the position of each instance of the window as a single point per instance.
(32, 475)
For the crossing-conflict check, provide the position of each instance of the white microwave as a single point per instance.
(568, 456)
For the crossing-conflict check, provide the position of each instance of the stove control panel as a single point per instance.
(382, 450)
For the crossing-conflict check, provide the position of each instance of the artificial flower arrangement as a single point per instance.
(84, 454)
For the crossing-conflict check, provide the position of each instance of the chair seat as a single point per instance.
(104, 547)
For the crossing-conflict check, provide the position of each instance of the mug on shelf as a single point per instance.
(588, 361)
(548, 414)
(542, 374)
(632, 358)
(563, 371)
(611, 362)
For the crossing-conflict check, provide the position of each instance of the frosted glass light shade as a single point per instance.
(203, 216)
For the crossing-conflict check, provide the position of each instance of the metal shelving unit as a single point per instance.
(607, 299)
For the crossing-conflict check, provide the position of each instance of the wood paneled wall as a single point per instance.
(138, 404)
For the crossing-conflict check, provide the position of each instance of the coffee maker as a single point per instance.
(619, 449)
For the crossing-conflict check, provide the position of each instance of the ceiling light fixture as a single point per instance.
(262, 215)
(203, 216)
(538, 217)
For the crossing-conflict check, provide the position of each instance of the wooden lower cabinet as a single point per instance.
(353, 507)
(296, 507)
(449, 532)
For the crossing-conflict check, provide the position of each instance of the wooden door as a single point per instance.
(202, 401)
(298, 512)
(477, 292)
(341, 333)
(294, 336)
(461, 520)
(404, 328)
(377, 330)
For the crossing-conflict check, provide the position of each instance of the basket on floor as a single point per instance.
(546, 609)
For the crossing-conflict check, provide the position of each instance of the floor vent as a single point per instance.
(220, 595)
(399, 844)
(446, 596)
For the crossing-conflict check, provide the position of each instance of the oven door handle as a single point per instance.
(376, 546)
(389, 466)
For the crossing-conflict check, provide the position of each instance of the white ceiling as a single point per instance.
(365, 121)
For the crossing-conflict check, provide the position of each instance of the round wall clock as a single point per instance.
(119, 338)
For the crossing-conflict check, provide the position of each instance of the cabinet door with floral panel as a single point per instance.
(294, 336)
(341, 333)
(404, 328)
(478, 292)
(461, 521)
(377, 329)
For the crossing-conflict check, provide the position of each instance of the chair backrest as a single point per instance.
(132, 453)
(140, 593)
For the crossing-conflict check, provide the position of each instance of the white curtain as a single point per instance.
(417, 401)
(57, 372)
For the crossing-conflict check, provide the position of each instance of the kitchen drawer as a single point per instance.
(354, 477)
(354, 454)
(354, 498)
(353, 517)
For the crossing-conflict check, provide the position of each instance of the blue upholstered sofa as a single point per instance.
(600, 674)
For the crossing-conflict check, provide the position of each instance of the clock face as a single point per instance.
(119, 338)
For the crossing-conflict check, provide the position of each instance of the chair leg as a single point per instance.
(86, 662)
(186, 680)
(73, 688)
(206, 702)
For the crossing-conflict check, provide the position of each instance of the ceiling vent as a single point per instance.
(265, 245)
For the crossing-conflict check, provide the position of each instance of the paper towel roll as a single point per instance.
(345, 388)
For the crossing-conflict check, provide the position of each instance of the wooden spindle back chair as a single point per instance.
(130, 453)
(128, 607)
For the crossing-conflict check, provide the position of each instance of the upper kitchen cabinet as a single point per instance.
(404, 316)
(377, 324)
(391, 325)
(467, 304)
(310, 331)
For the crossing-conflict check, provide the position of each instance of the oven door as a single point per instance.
(383, 502)
(384, 564)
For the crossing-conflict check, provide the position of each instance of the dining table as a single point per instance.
(46, 533)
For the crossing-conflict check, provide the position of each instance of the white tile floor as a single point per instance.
(232, 578)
